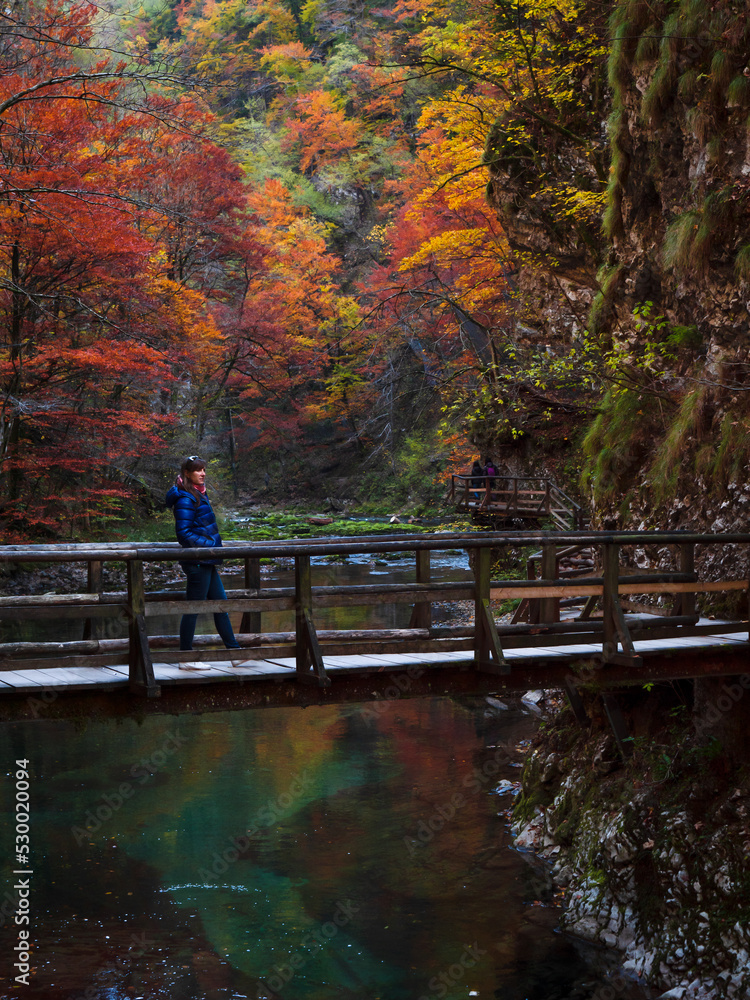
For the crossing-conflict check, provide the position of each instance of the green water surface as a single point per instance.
(335, 852)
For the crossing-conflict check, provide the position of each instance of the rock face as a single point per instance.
(668, 283)
(672, 440)
(652, 853)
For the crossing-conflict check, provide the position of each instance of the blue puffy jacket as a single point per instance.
(195, 522)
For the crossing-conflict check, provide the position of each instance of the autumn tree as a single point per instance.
(94, 304)
(286, 321)
(218, 45)
(521, 106)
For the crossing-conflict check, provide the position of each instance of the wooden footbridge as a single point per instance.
(519, 501)
(566, 633)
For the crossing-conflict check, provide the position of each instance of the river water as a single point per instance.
(445, 566)
(333, 852)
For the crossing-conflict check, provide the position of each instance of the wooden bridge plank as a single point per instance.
(287, 662)
(576, 650)
(685, 645)
(84, 675)
(379, 661)
(263, 668)
(65, 678)
(347, 662)
(170, 673)
(449, 656)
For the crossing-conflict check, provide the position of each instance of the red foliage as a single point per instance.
(110, 203)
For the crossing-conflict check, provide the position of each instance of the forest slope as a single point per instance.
(668, 286)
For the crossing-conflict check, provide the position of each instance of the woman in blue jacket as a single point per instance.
(196, 527)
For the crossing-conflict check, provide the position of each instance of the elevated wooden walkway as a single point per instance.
(596, 642)
(526, 501)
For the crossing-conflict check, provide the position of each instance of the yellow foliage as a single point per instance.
(197, 338)
(525, 70)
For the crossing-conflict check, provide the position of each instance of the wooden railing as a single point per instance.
(614, 631)
(530, 498)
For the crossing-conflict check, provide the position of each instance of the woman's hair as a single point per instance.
(191, 464)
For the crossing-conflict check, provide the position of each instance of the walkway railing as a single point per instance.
(530, 498)
(602, 618)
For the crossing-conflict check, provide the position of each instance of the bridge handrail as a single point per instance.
(568, 500)
(171, 552)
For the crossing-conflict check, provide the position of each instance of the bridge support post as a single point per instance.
(576, 703)
(614, 626)
(533, 612)
(611, 574)
(421, 616)
(140, 666)
(619, 725)
(549, 606)
(92, 626)
(488, 652)
(685, 603)
(310, 667)
(251, 619)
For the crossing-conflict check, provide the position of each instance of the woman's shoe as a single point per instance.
(194, 665)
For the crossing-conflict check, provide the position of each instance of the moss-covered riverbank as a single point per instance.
(652, 852)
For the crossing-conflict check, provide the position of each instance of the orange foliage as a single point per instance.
(319, 127)
(278, 323)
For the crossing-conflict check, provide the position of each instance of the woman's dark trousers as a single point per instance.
(204, 584)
